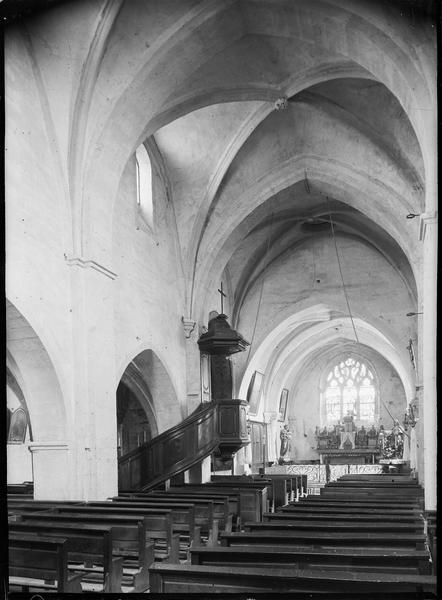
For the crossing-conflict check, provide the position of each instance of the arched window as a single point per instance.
(144, 184)
(349, 386)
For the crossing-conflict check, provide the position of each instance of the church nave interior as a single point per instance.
(221, 267)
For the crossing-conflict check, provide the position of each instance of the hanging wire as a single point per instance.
(340, 271)
(262, 287)
(392, 418)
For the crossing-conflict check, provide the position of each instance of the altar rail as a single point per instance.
(316, 474)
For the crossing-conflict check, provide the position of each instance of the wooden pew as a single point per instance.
(371, 483)
(387, 493)
(203, 521)
(252, 498)
(215, 506)
(279, 487)
(361, 502)
(228, 504)
(203, 579)
(40, 564)
(376, 477)
(20, 489)
(344, 508)
(368, 493)
(284, 489)
(158, 527)
(379, 559)
(130, 541)
(295, 516)
(87, 545)
(274, 523)
(299, 537)
(181, 518)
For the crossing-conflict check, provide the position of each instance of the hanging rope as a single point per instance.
(341, 274)
(262, 288)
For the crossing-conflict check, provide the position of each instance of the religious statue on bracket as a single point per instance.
(284, 451)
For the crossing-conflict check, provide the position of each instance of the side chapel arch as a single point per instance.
(32, 367)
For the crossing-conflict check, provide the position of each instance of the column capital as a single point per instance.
(189, 326)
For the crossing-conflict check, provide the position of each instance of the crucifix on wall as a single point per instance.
(410, 349)
(222, 295)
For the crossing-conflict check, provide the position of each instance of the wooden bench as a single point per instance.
(182, 519)
(407, 485)
(158, 527)
(131, 541)
(230, 502)
(252, 498)
(299, 537)
(294, 516)
(384, 492)
(376, 477)
(204, 508)
(374, 502)
(88, 545)
(181, 579)
(279, 487)
(345, 508)
(40, 564)
(358, 558)
(202, 514)
(221, 504)
(369, 492)
(20, 489)
(275, 523)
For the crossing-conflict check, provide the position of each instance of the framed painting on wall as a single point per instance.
(254, 392)
(283, 404)
(17, 427)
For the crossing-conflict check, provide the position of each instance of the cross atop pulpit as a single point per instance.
(223, 295)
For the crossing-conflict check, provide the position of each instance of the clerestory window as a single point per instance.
(144, 184)
(349, 386)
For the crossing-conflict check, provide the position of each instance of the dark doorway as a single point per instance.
(133, 425)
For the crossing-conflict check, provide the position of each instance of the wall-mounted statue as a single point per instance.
(285, 436)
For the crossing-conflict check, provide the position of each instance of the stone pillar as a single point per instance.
(272, 450)
(93, 439)
(199, 473)
(193, 365)
(51, 470)
(429, 320)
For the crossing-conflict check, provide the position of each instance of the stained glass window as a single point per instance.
(350, 386)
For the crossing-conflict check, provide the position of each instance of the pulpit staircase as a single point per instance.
(214, 426)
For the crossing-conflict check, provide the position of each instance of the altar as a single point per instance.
(345, 443)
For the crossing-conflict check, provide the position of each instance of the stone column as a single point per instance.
(51, 470)
(193, 365)
(93, 439)
(429, 320)
(272, 450)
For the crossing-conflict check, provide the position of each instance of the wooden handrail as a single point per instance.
(172, 452)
